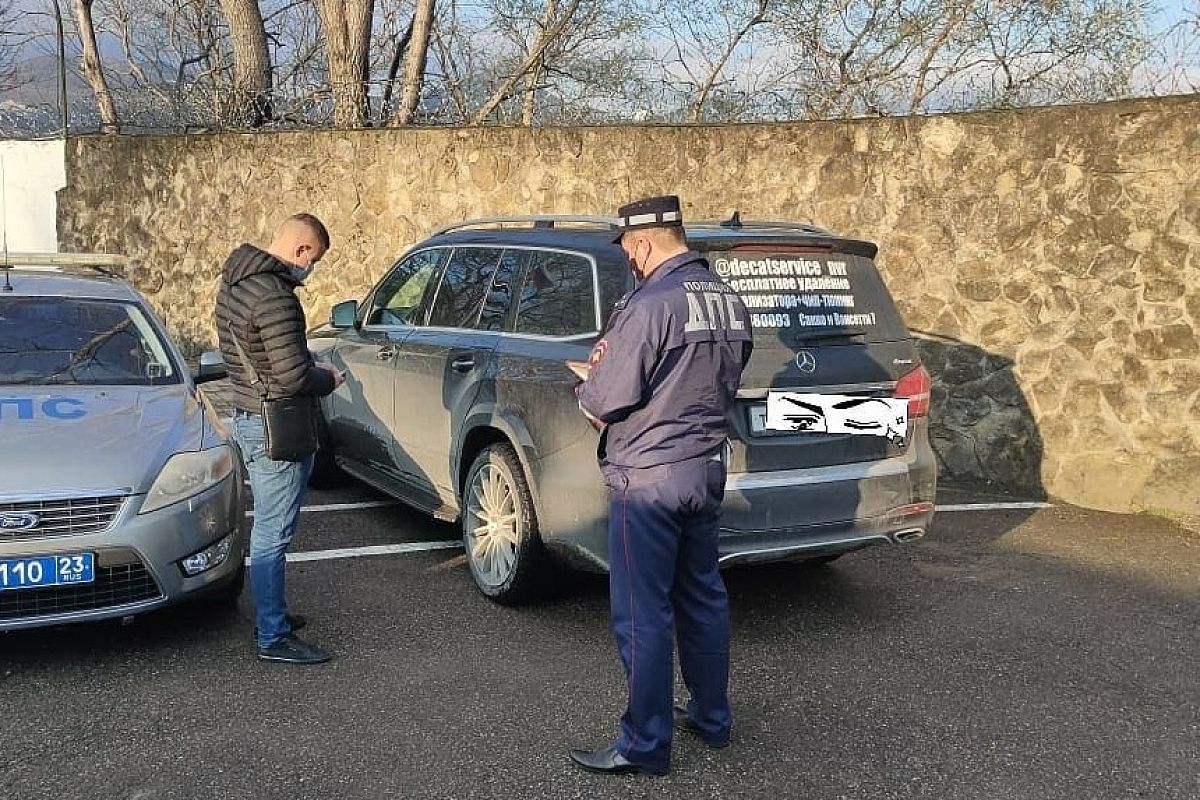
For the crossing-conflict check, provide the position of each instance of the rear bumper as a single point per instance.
(798, 544)
(137, 561)
(806, 513)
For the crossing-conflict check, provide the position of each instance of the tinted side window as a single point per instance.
(500, 293)
(558, 296)
(465, 281)
(615, 281)
(400, 293)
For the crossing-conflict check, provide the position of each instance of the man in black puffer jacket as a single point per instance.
(257, 302)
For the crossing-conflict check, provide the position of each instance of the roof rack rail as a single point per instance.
(105, 263)
(536, 221)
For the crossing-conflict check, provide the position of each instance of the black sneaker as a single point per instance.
(296, 621)
(291, 650)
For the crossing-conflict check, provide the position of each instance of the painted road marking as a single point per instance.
(953, 507)
(372, 550)
(344, 506)
(426, 547)
(993, 506)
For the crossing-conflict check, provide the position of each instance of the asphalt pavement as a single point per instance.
(1020, 653)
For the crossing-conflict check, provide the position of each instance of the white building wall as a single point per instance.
(32, 173)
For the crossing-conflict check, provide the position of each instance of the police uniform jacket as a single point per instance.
(666, 371)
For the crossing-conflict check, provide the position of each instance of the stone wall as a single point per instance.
(1049, 256)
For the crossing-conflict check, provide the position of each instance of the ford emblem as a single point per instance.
(18, 521)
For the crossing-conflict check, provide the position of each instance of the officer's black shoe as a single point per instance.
(610, 762)
(685, 723)
(291, 650)
(296, 621)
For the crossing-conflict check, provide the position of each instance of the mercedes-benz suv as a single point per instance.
(457, 400)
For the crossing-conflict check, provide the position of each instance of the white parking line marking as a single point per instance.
(344, 506)
(371, 550)
(426, 547)
(993, 506)
(1015, 506)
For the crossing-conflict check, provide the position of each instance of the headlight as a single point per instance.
(209, 558)
(188, 474)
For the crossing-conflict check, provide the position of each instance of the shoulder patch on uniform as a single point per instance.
(598, 352)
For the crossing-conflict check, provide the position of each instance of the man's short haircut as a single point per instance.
(315, 225)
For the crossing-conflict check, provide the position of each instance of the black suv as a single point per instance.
(457, 400)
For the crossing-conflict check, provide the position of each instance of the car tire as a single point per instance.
(326, 474)
(500, 530)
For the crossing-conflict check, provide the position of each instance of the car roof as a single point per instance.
(64, 280)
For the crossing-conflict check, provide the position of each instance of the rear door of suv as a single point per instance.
(824, 323)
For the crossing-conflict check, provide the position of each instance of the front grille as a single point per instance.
(69, 517)
(114, 586)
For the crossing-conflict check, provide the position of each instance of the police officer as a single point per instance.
(659, 385)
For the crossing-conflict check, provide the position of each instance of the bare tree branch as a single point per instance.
(505, 90)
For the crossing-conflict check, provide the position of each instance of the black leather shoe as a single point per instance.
(296, 621)
(684, 722)
(290, 650)
(610, 762)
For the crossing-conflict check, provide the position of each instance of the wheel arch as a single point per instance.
(483, 428)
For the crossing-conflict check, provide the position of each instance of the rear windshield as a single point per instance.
(811, 296)
(63, 341)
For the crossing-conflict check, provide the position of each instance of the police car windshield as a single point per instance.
(63, 341)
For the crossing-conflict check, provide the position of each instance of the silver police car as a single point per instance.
(120, 491)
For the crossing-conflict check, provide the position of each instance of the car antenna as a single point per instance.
(733, 222)
(8, 287)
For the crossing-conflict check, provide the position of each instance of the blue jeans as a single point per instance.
(278, 488)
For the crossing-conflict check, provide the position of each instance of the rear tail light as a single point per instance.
(916, 387)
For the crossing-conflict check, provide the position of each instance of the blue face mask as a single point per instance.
(301, 273)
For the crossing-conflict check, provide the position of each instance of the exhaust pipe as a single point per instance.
(910, 535)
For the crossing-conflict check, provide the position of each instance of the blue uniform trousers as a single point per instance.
(664, 581)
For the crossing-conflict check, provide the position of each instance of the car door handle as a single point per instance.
(386, 353)
(463, 364)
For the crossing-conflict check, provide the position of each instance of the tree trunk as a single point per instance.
(347, 25)
(251, 101)
(92, 69)
(414, 63)
(529, 104)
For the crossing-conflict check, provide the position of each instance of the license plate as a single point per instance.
(38, 571)
(860, 415)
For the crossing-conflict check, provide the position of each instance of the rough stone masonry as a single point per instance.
(1049, 258)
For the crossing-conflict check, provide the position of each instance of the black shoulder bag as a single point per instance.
(290, 423)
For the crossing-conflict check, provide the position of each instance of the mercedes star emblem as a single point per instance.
(806, 362)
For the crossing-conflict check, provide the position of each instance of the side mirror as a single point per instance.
(212, 368)
(345, 315)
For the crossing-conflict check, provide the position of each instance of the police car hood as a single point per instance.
(92, 440)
